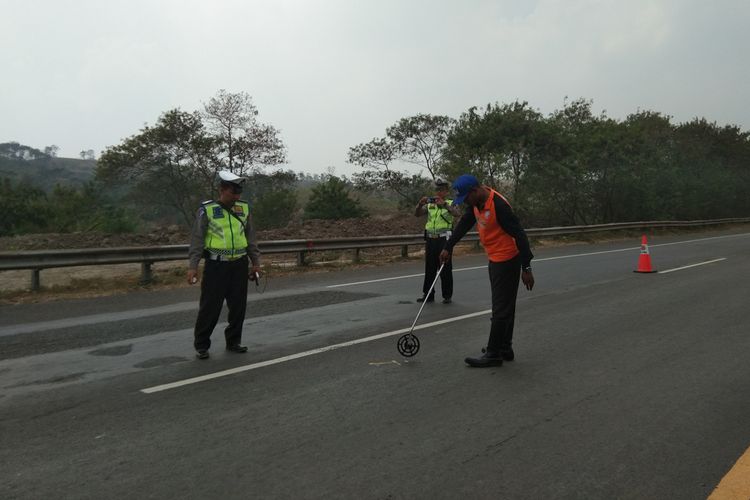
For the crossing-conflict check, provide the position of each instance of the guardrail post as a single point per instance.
(35, 280)
(356, 255)
(404, 250)
(301, 258)
(146, 275)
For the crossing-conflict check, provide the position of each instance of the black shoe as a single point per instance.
(447, 300)
(506, 354)
(487, 359)
(237, 348)
(431, 298)
(202, 354)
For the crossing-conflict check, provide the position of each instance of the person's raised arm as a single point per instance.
(465, 223)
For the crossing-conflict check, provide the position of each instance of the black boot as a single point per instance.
(431, 298)
(236, 348)
(487, 359)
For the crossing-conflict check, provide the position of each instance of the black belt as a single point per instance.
(223, 258)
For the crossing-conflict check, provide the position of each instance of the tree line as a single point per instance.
(27, 208)
(572, 166)
(569, 167)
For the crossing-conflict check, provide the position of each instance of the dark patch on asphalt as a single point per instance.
(154, 362)
(81, 336)
(304, 332)
(404, 302)
(52, 380)
(118, 350)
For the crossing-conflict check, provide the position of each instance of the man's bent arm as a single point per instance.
(252, 244)
(466, 222)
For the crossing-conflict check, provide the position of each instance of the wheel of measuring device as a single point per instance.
(408, 345)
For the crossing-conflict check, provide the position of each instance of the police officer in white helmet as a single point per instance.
(440, 212)
(223, 235)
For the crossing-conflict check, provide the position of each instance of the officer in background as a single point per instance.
(440, 211)
(223, 234)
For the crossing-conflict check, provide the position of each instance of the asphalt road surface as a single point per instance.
(625, 385)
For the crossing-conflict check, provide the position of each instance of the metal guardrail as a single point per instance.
(37, 260)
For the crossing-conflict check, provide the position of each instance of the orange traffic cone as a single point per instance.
(644, 261)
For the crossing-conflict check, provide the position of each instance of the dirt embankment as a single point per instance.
(176, 235)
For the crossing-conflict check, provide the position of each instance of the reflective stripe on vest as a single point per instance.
(225, 234)
(498, 244)
(438, 219)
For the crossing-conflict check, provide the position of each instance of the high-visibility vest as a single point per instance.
(439, 219)
(499, 245)
(226, 232)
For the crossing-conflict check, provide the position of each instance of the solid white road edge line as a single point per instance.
(691, 265)
(545, 259)
(283, 359)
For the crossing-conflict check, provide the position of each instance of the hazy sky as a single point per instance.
(331, 74)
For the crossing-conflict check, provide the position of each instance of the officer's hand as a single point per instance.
(445, 256)
(422, 201)
(528, 279)
(439, 201)
(254, 273)
(192, 277)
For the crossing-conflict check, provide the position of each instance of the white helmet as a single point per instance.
(441, 183)
(227, 176)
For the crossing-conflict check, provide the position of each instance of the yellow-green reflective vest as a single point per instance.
(439, 219)
(226, 232)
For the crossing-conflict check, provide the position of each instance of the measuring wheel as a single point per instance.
(408, 345)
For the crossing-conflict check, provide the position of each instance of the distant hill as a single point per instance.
(19, 162)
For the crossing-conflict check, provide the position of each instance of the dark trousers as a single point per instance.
(222, 281)
(504, 279)
(432, 249)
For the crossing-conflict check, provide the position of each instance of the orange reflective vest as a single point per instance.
(498, 244)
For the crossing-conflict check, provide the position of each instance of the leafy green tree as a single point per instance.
(243, 144)
(563, 173)
(275, 208)
(331, 200)
(408, 188)
(72, 209)
(417, 140)
(273, 198)
(496, 145)
(168, 166)
(645, 187)
(420, 140)
(24, 208)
